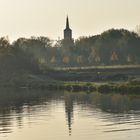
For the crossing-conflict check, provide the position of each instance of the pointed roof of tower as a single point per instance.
(67, 23)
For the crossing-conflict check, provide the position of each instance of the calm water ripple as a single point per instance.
(45, 115)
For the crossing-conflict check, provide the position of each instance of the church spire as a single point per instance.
(67, 23)
(67, 31)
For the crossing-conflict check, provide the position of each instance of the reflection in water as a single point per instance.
(104, 113)
(69, 111)
(15, 104)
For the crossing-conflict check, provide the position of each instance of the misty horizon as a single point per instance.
(47, 18)
(61, 38)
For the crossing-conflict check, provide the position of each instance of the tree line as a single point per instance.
(112, 47)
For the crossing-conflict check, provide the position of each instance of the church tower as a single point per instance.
(67, 44)
(68, 41)
(67, 31)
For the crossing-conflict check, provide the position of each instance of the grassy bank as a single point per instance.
(125, 87)
(83, 86)
(36, 82)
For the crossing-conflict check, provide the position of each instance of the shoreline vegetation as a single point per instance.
(109, 62)
(81, 86)
(126, 87)
(34, 82)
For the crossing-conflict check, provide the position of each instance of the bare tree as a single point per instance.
(137, 29)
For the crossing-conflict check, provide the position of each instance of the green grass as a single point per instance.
(29, 81)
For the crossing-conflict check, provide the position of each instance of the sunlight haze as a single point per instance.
(25, 18)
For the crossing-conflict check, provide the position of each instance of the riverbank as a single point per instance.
(124, 87)
(132, 86)
(120, 80)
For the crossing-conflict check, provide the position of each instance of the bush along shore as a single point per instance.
(127, 87)
(132, 86)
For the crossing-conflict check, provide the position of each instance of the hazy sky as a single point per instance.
(24, 18)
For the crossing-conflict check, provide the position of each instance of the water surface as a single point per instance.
(52, 115)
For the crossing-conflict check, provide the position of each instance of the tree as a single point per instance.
(137, 29)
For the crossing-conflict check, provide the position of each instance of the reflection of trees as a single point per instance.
(14, 103)
(115, 103)
(117, 109)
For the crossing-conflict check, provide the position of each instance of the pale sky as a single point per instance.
(25, 18)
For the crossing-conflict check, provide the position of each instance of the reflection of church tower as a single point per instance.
(68, 40)
(69, 111)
